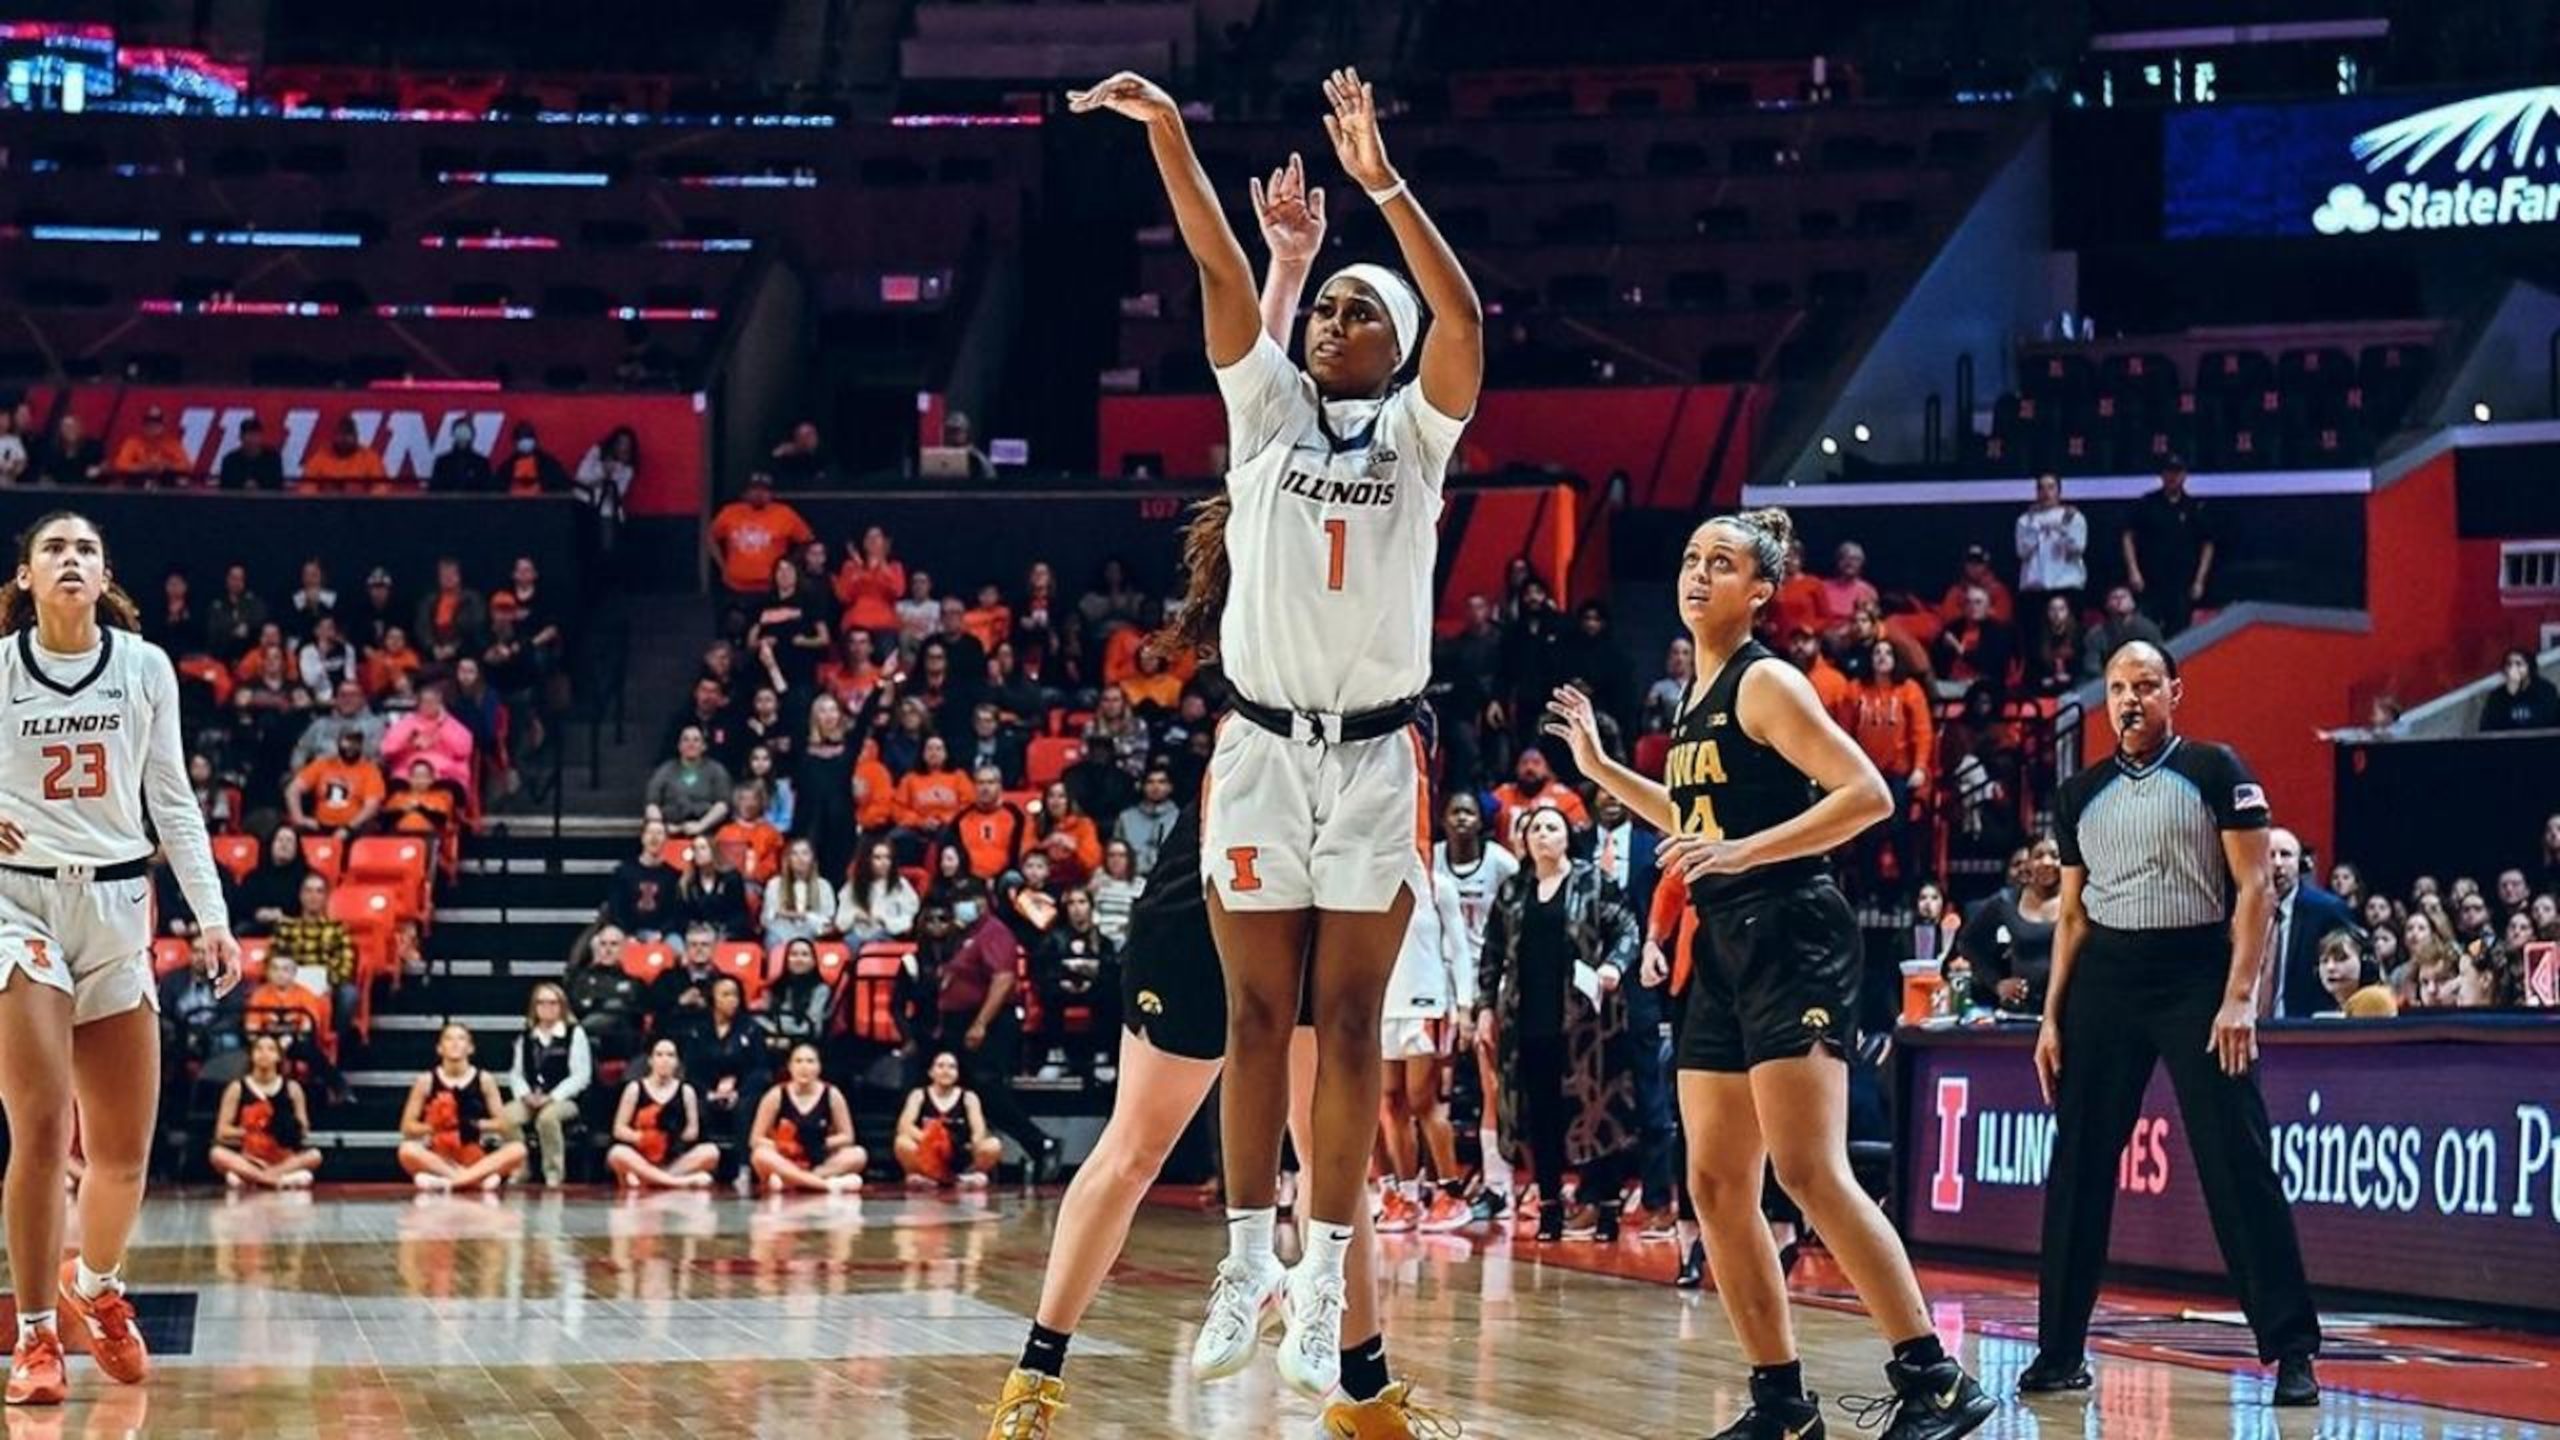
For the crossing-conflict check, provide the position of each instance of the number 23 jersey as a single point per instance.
(1333, 537)
(92, 743)
(1725, 785)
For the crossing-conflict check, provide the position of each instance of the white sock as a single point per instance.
(1327, 1244)
(91, 1284)
(1415, 1190)
(30, 1321)
(1249, 1235)
(1497, 1166)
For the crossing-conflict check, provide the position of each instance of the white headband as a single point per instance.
(1404, 308)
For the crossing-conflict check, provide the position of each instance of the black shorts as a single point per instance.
(1776, 976)
(1172, 992)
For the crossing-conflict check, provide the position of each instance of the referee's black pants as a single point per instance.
(2137, 996)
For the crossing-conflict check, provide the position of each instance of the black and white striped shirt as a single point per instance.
(2149, 834)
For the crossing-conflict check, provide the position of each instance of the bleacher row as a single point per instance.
(377, 885)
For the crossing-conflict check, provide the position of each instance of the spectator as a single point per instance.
(2350, 983)
(339, 795)
(711, 712)
(603, 486)
(1114, 596)
(424, 806)
(1983, 763)
(282, 1005)
(869, 585)
(799, 904)
(942, 1135)
(823, 805)
(727, 1052)
(1977, 645)
(1068, 836)
(2550, 864)
(2522, 700)
(253, 464)
(709, 893)
(853, 673)
(2053, 549)
(990, 621)
(326, 660)
(262, 1129)
(2391, 957)
(1829, 685)
(1036, 619)
(311, 600)
(1679, 667)
(1847, 588)
(345, 463)
(2168, 550)
(431, 734)
(802, 1138)
(536, 619)
(689, 791)
(989, 746)
(2490, 979)
(2008, 942)
(529, 469)
(1931, 916)
(1800, 600)
(2122, 625)
(13, 447)
(2434, 974)
(1562, 1046)
(197, 1022)
(976, 963)
(1116, 889)
(273, 889)
(778, 793)
(1591, 654)
(680, 998)
(2054, 657)
(749, 536)
(642, 901)
(219, 801)
(879, 902)
(1143, 826)
(368, 619)
(919, 615)
(1533, 784)
(2514, 894)
(233, 620)
(1153, 690)
(993, 833)
(749, 844)
(70, 457)
(968, 658)
(1117, 735)
(461, 469)
(1078, 965)
(324, 951)
(173, 624)
(959, 434)
(551, 1069)
(930, 795)
(2473, 927)
(799, 463)
(450, 1121)
(2304, 915)
(790, 634)
(607, 1001)
(1976, 574)
(801, 1002)
(657, 1128)
(151, 455)
(453, 620)
(482, 710)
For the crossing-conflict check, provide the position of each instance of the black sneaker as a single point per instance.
(1488, 1207)
(1550, 1224)
(1693, 1268)
(2297, 1382)
(1605, 1229)
(1929, 1402)
(1792, 1420)
(2050, 1374)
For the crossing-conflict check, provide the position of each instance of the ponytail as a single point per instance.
(1207, 576)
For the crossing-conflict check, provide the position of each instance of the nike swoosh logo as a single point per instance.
(24, 699)
(1948, 1400)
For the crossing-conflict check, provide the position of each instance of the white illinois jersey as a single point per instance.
(1435, 974)
(1477, 885)
(93, 742)
(1333, 536)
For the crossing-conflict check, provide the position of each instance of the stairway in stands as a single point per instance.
(524, 895)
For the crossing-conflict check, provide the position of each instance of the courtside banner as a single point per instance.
(409, 428)
(2404, 165)
(2420, 1160)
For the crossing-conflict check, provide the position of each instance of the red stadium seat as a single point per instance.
(870, 1003)
(253, 960)
(834, 958)
(169, 955)
(1652, 752)
(742, 960)
(676, 853)
(324, 855)
(238, 854)
(1050, 757)
(646, 960)
(402, 863)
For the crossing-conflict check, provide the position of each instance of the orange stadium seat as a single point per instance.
(253, 959)
(742, 960)
(237, 853)
(646, 960)
(324, 855)
(1050, 757)
(169, 955)
(871, 1002)
(834, 958)
(405, 863)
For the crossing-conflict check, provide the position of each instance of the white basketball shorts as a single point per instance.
(90, 940)
(1288, 825)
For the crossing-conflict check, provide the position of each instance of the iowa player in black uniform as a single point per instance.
(1761, 785)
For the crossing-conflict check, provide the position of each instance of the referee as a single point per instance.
(2167, 901)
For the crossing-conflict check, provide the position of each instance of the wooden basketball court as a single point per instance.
(368, 1313)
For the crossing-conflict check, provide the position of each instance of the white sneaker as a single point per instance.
(298, 1180)
(1311, 1337)
(1239, 1306)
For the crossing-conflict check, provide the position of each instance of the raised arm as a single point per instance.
(1227, 303)
(1292, 219)
(1453, 347)
(1571, 718)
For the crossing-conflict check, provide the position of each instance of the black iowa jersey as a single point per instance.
(1725, 785)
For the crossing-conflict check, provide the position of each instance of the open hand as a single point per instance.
(1127, 93)
(1571, 719)
(1290, 212)
(1353, 129)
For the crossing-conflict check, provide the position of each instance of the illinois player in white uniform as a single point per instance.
(1424, 1024)
(90, 715)
(1478, 864)
(1312, 574)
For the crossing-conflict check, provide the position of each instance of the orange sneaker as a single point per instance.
(1029, 1402)
(107, 1323)
(1397, 1216)
(35, 1371)
(1390, 1416)
(1446, 1213)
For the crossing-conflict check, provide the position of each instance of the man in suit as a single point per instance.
(2305, 914)
(1623, 852)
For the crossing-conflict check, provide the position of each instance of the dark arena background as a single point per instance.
(457, 376)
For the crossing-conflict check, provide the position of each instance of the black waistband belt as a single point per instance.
(128, 870)
(1317, 728)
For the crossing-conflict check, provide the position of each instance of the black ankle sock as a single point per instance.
(1364, 1368)
(1778, 1386)
(1046, 1350)
(1454, 1189)
(1920, 1352)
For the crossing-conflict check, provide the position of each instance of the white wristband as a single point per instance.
(1381, 197)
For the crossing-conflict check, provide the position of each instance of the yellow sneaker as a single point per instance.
(1392, 1415)
(1025, 1408)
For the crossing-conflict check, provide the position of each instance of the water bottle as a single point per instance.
(1959, 990)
